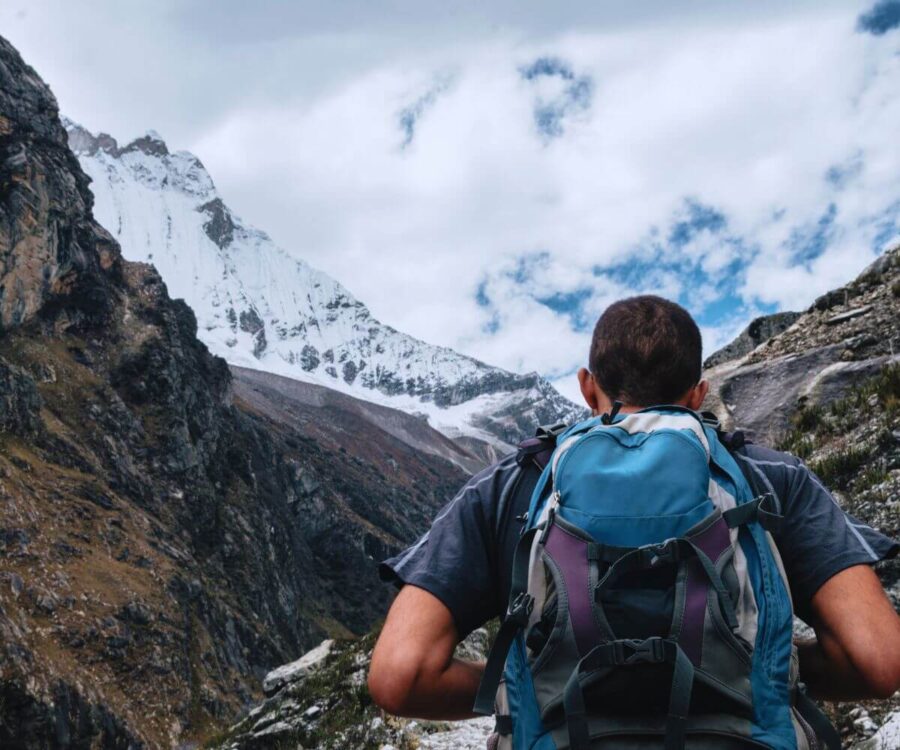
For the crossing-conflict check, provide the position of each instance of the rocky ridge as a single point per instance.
(261, 308)
(846, 336)
(757, 332)
(164, 543)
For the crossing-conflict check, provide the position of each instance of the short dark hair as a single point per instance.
(646, 350)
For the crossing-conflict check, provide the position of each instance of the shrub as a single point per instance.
(838, 469)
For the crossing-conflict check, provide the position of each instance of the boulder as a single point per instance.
(886, 738)
(296, 670)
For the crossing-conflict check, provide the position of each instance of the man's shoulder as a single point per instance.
(763, 455)
(489, 483)
(776, 470)
(501, 467)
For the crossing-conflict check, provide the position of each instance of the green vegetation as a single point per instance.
(838, 469)
(801, 438)
(812, 427)
(874, 474)
(339, 689)
(808, 418)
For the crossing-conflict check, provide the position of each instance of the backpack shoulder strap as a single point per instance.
(533, 455)
(539, 448)
(735, 443)
(765, 508)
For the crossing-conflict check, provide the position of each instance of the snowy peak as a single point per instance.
(82, 141)
(150, 143)
(262, 308)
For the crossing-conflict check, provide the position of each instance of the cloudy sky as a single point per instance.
(489, 176)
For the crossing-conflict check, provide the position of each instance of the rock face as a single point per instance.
(846, 336)
(164, 543)
(261, 308)
(852, 442)
(887, 737)
(758, 331)
(291, 402)
(297, 670)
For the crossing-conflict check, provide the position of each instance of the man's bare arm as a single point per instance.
(856, 652)
(413, 672)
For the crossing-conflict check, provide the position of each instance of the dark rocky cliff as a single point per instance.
(161, 546)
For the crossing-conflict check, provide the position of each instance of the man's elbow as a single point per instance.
(392, 689)
(884, 683)
(882, 675)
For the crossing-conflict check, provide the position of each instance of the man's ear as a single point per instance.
(697, 395)
(589, 390)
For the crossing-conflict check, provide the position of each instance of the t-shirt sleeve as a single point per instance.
(818, 539)
(456, 560)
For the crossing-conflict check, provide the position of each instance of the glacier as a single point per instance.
(260, 307)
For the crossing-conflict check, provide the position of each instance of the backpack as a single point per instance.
(648, 605)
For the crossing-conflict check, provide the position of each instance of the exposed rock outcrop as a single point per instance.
(325, 705)
(844, 337)
(758, 331)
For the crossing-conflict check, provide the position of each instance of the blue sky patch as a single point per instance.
(841, 175)
(807, 243)
(882, 18)
(481, 297)
(699, 218)
(887, 227)
(694, 258)
(570, 304)
(408, 117)
(673, 267)
(547, 66)
(575, 96)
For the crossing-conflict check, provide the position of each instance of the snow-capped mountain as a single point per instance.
(260, 307)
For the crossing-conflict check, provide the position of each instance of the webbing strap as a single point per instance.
(763, 510)
(816, 719)
(607, 553)
(540, 447)
(517, 613)
(670, 552)
(625, 653)
(503, 724)
(679, 701)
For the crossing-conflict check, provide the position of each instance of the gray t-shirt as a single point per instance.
(465, 558)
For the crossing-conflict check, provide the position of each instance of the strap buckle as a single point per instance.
(652, 650)
(520, 609)
(657, 554)
(551, 431)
